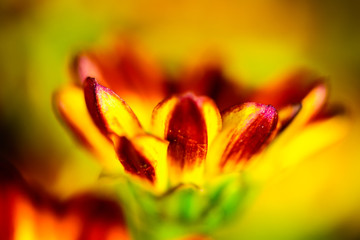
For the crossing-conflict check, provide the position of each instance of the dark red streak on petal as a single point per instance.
(90, 86)
(133, 161)
(98, 110)
(187, 133)
(253, 138)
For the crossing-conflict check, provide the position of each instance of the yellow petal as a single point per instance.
(302, 138)
(311, 105)
(247, 128)
(287, 115)
(144, 156)
(212, 118)
(163, 110)
(160, 116)
(70, 104)
(110, 113)
(313, 138)
(189, 123)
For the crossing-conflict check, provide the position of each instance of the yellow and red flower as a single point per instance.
(30, 214)
(163, 134)
(185, 137)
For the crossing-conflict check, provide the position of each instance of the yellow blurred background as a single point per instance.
(258, 40)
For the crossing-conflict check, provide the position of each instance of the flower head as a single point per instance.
(163, 134)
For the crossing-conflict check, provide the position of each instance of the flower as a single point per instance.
(162, 135)
(28, 213)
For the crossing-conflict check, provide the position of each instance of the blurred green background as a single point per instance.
(258, 40)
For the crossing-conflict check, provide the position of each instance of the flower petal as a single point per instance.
(314, 102)
(126, 69)
(331, 131)
(27, 213)
(208, 79)
(70, 105)
(284, 152)
(160, 116)
(287, 115)
(84, 67)
(247, 128)
(133, 161)
(130, 72)
(287, 90)
(130, 69)
(212, 118)
(311, 106)
(186, 132)
(144, 156)
(189, 123)
(110, 113)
